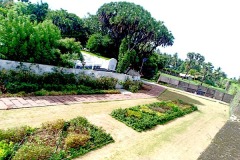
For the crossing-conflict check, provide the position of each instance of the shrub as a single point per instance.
(15, 135)
(6, 149)
(54, 126)
(132, 86)
(74, 140)
(33, 151)
(18, 87)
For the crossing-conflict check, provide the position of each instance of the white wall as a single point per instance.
(40, 69)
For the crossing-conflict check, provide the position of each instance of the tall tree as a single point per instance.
(206, 71)
(193, 59)
(134, 26)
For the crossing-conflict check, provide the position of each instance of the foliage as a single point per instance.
(33, 151)
(56, 83)
(132, 86)
(146, 117)
(15, 135)
(6, 149)
(71, 50)
(70, 24)
(98, 43)
(36, 11)
(74, 140)
(124, 20)
(57, 140)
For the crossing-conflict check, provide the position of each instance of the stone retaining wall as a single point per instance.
(198, 89)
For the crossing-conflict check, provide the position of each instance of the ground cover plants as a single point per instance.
(23, 83)
(144, 117)
(53, 140)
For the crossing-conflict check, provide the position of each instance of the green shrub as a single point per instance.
(145, 117)
(132, 86)
(18, 87)
(6, 150)
(15, 135)
(33, 151)
(74, 140)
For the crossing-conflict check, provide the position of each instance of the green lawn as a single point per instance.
(92, 54)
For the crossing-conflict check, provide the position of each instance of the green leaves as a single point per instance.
(124, 20)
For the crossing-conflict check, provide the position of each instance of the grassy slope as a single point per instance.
(92, 54)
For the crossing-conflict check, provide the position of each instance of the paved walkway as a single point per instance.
(41, 101)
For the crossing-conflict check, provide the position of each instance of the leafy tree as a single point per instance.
(193, 59)
(36, 11)
(98, 43)
(206, 73)
(70, 24)
(129, 23)
(22, 40)
(70, 51)
(92, 25)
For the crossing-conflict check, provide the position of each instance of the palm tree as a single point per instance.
(193, 59)
(206, 71)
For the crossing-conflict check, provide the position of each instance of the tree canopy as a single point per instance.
(131, 24)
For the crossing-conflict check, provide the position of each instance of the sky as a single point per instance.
(208, 27)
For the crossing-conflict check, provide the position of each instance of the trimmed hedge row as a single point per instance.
(53, 141)
(145, 117)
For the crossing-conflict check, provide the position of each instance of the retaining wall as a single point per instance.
(41, 68)
(198, 89)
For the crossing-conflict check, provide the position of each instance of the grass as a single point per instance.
(95, 55)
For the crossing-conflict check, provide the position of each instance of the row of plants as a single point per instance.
(56, 83)
(144, 117)
(53, 140)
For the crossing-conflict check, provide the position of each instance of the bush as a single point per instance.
(132, 86)
(74, 140)
(56, 83)
(54, 126)
(6, 150)
(145, 117)
(33, 151)
(15, 135)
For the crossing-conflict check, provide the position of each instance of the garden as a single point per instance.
(26, 83)
(145, 117)
(53, 140)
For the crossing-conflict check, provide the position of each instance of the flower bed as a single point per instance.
(145, 117)
(54, 140)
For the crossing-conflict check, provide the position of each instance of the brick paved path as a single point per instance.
(41, 101)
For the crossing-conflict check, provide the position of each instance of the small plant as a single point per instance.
(15, 135)
(33, 151)
(74, 140)
(6, 149)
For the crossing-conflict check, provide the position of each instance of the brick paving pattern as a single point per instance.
(41, 101)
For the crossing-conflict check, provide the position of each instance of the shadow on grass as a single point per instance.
(169, 95)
